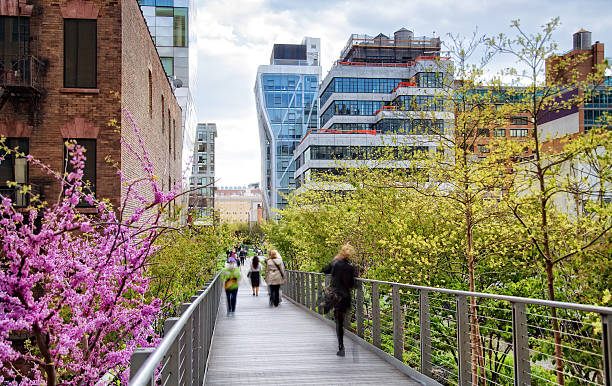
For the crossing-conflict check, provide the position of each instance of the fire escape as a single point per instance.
(21, 72)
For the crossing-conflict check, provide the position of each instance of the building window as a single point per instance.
(89, 171)
(150, 94)
(483, 132)
(14, 38)
(519, 121)
(180, 27)
(168, 64)
(163, 118)
(518, 133)
(483, 149)
(80, 53)
(164, 11)
(500, 132)
(14, 169)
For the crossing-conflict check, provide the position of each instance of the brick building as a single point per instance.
(240, 204)
(69, 67)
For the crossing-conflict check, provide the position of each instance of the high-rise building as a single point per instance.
(287, 109)
(202, 180)
(374, 98)
(169, 22)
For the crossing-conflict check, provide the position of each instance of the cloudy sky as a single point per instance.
(231, 38)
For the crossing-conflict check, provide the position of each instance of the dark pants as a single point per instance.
(241, 260)
(231, 299)
(339, 316)
(274, 294)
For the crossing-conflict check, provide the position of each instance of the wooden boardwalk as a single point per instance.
(260, 345)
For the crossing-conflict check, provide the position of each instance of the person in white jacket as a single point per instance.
(275, 276)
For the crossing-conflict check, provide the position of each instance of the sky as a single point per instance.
(231, 38)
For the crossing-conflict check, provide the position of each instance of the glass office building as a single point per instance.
(287, 109)
(169, 22)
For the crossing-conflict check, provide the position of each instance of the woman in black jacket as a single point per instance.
(342, 280)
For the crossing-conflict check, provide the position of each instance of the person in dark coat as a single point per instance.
(342, 280)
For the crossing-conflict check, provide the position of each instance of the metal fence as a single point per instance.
(180, 358)
(431, 330)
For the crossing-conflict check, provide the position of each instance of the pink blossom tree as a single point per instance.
(75, 285)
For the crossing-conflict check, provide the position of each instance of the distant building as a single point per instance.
(60, 62)
(202, 180)
(287, 109)
(240, 204)
(169, 22)
(372, 100)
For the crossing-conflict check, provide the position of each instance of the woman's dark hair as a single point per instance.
(255, 261)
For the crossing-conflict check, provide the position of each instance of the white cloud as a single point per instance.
(235, 37)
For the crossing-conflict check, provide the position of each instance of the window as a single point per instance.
(180, 27)
(499, 132)
(519, 121)
(80, 53)
(14, 169)
(483, 132)
(168, 64)
(14, 37)
(163, 118)
(164, 11)
(89, 171)
(483, 149)
(518, 133)
(150, 94)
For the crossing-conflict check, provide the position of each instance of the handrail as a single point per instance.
(439, 331)
(170, 342)
(512, 299)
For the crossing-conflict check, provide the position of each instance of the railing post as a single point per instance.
(139, 356)
(606, 340)
(307, 290)
(398, 334)
(463, 341)
(170, 374)
(375, 316)
(425, 332)
(359, 309)
(187, 353)
(520, 345)
(302, 289)
(320, 289)
(313, 292)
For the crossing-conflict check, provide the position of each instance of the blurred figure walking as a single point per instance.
(231, 276)
(275, 276)
(254, 274)
(342, 280)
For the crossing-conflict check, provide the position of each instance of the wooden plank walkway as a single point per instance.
(260, 345)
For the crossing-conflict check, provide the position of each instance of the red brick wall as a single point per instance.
(122, 70)
(139, 56)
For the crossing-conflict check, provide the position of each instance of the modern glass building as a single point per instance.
(168, 22)
(378, 99)
(201, 201)
(286, 94)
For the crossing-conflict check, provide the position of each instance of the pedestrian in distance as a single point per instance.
(342, 280)
(275, 276)
(254, 275)
(242, 254)
(231, 277)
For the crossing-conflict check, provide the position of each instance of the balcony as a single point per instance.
(21, 74)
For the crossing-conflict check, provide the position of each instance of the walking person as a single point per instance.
(254, 274)
(275, 276)
(342, 280)
(231, 276)
(242, 254)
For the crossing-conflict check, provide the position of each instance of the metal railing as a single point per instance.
(181, 356)
(21, 71)
(430, 330)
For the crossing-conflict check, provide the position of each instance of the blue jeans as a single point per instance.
(231, 299)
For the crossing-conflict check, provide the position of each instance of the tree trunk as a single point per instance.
(42, 341)
(477, 355)
(555, 324)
